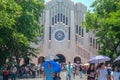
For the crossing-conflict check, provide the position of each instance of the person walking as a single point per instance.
(109, 69)
(81, 72)
(68, 71)
(13, 71)
(74, 72)
(41, 71)
(38, 69)
(33, 71)
(115, 75)
(49, 72)
(26, 72)
(57, 76)
(91, 72)
(5, 74)
(102, 72)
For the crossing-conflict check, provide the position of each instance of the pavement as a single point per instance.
(63, 77)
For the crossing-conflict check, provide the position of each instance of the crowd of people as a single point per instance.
(92, 72)
(33, 71)
(70, 69)
(9, 71)
(25, 71)
(102, 72)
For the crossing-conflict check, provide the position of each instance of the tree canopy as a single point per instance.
(19, 26)
(105, 21)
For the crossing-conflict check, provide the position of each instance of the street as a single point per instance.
(63, 77)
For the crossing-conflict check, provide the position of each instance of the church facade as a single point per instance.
(64, 35)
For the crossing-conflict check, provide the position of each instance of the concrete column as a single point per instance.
(46, 32)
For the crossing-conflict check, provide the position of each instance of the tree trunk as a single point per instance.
(18, 60)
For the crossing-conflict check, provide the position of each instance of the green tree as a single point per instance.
(28, 25)
(104, 20)
(19, 27)
(9, 12)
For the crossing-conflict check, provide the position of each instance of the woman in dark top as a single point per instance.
(91, 72)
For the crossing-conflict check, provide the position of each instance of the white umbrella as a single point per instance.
(117, 60)
(98, 59)
(51, 57)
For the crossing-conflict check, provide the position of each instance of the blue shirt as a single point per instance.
(103, 74)
(115, 75)
(69, 69)
(48, 73)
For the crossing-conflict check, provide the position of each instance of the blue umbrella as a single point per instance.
(55, 66)
(98, 59)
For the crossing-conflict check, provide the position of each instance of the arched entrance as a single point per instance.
(61, 59)
(41, 59)
(77, 59)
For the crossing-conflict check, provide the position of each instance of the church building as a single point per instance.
(64, 35)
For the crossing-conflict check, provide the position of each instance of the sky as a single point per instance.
(85, 2)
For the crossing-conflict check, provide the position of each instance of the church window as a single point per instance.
(55, 18)
(82, 32)
(69, 33)
(66, 20)
(79, 30)
(90, 41)
(93, 43)
(96, 44)
(61, 17)
(76, 28)
(58, 18)
(49, 33)
(52, 20)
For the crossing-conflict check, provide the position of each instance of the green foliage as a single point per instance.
(105, 21)
(9, 11)
(19, 26)
(31, 9)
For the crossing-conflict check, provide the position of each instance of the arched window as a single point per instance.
(52, 20)
(64, 19)
(49, 33)
(61, 59)
(55, 18)
(77, 59)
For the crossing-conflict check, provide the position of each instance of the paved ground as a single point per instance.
(62, 76)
